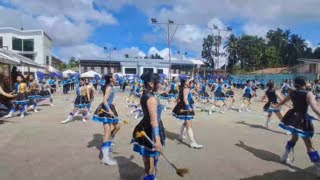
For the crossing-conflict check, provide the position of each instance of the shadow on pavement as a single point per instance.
(259, 127)
(306, 174)
(127, 169)
(264, 155)
(174, 137)
(96, 142)
(5, 121)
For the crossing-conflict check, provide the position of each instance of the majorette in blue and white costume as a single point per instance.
(247, 95)
(21, 101)
(184, 110)
(45, 92)
(273, 97)
(34, 95)
(152, 127)
(299, 123)
(220, 96)
(107, 115)
(80, 103)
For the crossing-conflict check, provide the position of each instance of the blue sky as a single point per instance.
(82, 28)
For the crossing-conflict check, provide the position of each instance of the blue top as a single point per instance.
(219, 89)
(94, 81)
(102, 82)
(111, 97)
(173, 86)
(247, 90)
(190, 98)
(138, 89)
(133, 88)
(16, 85)
(204, 88)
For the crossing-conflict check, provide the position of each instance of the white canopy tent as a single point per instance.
(66, 72)
(90, 74)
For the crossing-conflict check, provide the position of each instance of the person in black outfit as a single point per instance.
(273, 95)
(151, 125)
(299, 122)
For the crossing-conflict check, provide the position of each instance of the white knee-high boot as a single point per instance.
(193, 142)
(105, 148)
(182, 132)
(267, 122)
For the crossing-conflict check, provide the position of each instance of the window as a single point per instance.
(102, 70)
(30, 56)
(147, 70)
(85, 68)
(130, 70)
(47, 60)
(160, 71)
(28, 45)
(1, 42)
(16, 44)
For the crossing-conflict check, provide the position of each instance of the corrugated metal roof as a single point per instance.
(21, 59)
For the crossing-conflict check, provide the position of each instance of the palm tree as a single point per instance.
(296, 48)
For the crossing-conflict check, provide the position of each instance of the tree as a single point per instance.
(207, 51)
(296, 49)
(126, 56)
(73, 62)
(155, 56)
(231, 47)
(316, 53)
(273, 56)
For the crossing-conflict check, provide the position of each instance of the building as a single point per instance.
(56, 62)
(129, 66)
(307, 66)
(33, 44)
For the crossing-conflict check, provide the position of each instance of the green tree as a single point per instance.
(73, 62)
(272, 56)
(231, 47)
(208, 50)
(296, 49)
(126, 56)
(316, 53)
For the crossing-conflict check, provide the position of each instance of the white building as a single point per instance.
(33, 44)
(129, 66)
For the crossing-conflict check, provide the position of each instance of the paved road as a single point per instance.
(236, 146)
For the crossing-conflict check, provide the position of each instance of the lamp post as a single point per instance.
(181, 58)
(110, 53)
(216, 28)
(168, 37)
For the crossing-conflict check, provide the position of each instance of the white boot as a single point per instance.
(182, 132)
(69, 119)
(267, 123)
(193, 143)
(106, 159)
(9, 115)
(285, 156)
(222, 109)
(22, 115)
(240, 109)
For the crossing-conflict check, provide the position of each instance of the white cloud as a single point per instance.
(79, 10)
(255, 29)
(85, 51)
(311, 45)
(93, 52)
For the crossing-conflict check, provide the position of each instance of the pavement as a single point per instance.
(236, 147)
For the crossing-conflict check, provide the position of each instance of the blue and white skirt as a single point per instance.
(299, 124)
(101, 115)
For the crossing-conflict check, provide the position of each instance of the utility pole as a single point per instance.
(229, 29)
(168, 37)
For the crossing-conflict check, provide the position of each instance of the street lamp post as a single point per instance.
(181, 58)
(167, 36)
(110, 53)
(229, 29)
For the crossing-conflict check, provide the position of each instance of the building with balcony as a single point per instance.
(33, 44)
